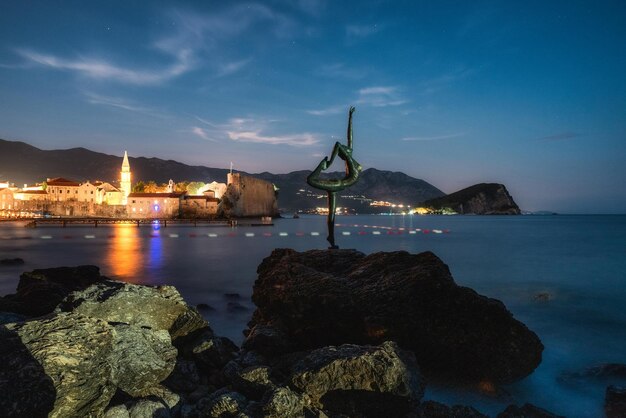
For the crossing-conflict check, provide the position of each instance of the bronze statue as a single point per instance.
(332, 186)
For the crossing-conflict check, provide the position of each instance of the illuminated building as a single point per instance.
(125, 179)
(60, 189)
(154, 205)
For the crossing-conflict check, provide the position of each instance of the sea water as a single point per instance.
(577, 264)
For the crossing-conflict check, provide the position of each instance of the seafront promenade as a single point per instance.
(95, 222)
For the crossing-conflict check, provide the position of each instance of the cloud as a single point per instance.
(380, 96)
(296, 140)
(255, 131)
(102, 70)
(251, 130)
(563, 136)
(195, 36)
(201, 133)
(433, 138)
(333, 110)
(375, 96)
(232, 67)
(114, 102)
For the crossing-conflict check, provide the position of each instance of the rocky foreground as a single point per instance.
(335, 334)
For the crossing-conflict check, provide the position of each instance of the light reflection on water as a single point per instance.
(124, 252)
(579, 260)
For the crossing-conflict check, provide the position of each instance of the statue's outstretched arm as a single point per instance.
(349, 135)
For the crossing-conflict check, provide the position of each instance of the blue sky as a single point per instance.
(531, 94)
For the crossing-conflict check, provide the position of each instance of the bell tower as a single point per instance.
(125, 179)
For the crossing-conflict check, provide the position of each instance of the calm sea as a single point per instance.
(579, 261)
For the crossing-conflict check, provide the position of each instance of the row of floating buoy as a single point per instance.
(378, 230)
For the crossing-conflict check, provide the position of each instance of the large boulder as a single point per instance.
(359, 380)
(56, 367)
(140, 358)
(102, 338)
(319, 298)
(158, 308)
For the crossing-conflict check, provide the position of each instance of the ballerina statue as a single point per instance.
(332, 186)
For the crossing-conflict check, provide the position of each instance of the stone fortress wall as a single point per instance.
(247, 196)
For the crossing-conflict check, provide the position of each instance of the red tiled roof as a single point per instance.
(60, 181)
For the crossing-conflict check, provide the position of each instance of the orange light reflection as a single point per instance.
(124, 253)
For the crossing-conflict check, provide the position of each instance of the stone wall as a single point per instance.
(247, 196)
(74, 208)
(199, 207)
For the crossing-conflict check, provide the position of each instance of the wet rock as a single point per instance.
(11, 262)
(610, 372)
(141, 358)
(615, 402)
(41, 290)
(542, 297)
(252, 381)
(234, 307)
(203, 307)
(266, 340)
(185, 377)
(220, 404)
(117, 411)
(57, 366)
(526, 411)
(319, 298)
(167, 397)
(9, 317)
(148, 408)
(431, 409)
(282, 402)
(210, 352)
(354, 380)
(159, 308)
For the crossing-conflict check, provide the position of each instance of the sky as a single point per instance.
(531, 94)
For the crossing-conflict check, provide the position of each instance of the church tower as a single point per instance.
(125, 179)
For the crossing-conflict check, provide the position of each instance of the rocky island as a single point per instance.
(479, 199)
(335, 334)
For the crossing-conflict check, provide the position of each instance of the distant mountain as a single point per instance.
(479, 199)
(373, 184)
(22, 163)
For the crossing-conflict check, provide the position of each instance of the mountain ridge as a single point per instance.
(23, 163)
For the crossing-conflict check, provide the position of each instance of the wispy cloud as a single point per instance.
(375, 96)
(206, 122)
(194, 41)
(121, 103)
(251, 130)
(196, 130)
(333, 110)
(380, 96)
(228, 68)
(102, 70)
(433, 138)
(563, 136)
(256, 130)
